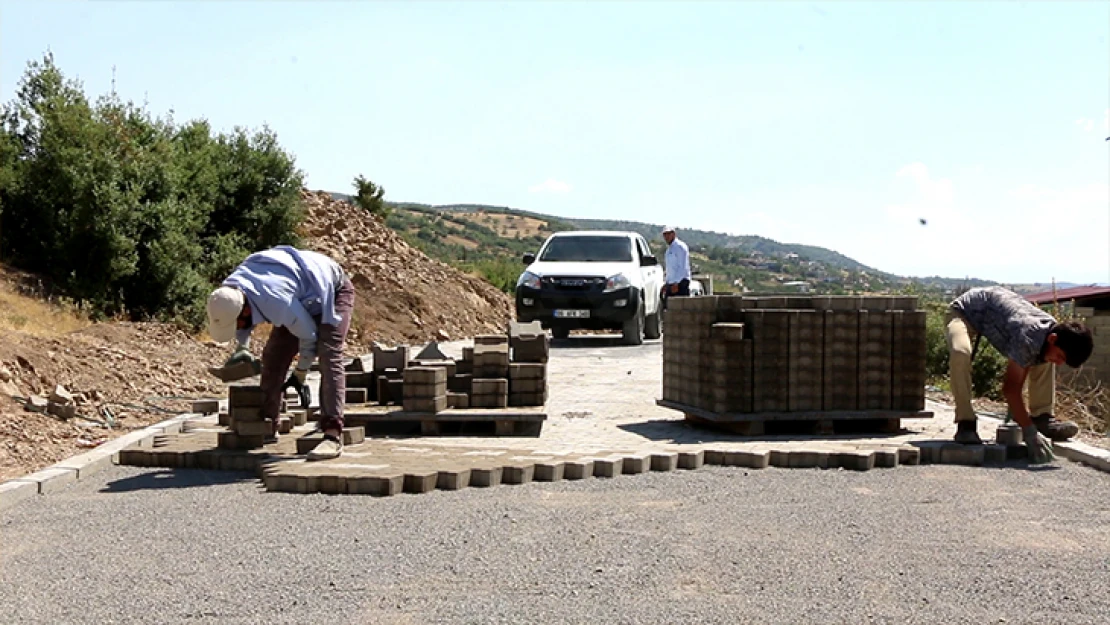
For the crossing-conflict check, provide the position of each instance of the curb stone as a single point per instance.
(83, 465)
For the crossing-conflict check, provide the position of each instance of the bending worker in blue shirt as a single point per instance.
(308, 299)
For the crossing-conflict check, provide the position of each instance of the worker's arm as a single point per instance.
(1012, 383)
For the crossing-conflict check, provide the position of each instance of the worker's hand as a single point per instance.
(296, 382)
(1038, 445)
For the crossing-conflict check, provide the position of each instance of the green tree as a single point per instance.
(370, 197)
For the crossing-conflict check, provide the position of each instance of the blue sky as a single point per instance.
(827, 123)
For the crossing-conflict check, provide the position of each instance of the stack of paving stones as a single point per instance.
(248, 428)
(388, 367)
(425, 389)
(776, 354)
(528, 369)
(489, 387)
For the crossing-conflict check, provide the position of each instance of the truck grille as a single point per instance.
(573, 284)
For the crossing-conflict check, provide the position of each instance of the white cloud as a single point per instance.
(550, 185)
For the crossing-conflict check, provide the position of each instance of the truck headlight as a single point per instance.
(529, 280)
(619, 281)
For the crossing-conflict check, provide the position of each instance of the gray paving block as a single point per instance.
(994, 454)
(355, 396)
(955, 453)
(454, 479)
(420, 404)
(381, 486)
(749, 459)
(489, 386)
(517, 473)
(855, 460)
(909, 456)
(206, 406)
(608, 467)
(485, 477)
(244, 396)
(886, 458)
(712, 456)
(1008, 434)
(664, 461)
(779, 458)
(578, 469)
(13, 492)
(420, 481)
(252, 428)
(548, 471)
(431, 376)
(807, 459)
(491, 339)
(691, 459)
(634, 465)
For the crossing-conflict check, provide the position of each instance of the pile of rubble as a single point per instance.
(401, 294)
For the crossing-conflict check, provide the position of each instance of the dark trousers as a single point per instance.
(283, 347)
(683, 291)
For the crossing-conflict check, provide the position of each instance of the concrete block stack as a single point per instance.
(425, 389)
(489, 393)
(527, 384)
(248, 428)
(750, 354)
(388, 367)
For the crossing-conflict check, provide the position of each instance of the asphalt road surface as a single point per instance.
(924, 544)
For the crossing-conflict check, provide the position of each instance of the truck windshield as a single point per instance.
(588, 249)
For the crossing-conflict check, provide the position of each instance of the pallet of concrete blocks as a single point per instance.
(425, 389)
(489, 393)
(248, 428)
(773, 357)
(491, 356)
(527, 384)
(528, 341)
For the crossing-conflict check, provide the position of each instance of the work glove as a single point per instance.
(1038, 445)
(296, 382)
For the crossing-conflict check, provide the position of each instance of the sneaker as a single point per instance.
(967, 433)
(330, 447)
(1054, 429)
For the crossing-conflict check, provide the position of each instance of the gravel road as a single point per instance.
(920, 544)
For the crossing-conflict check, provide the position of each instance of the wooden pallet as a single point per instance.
(799, 422)
(451, 422)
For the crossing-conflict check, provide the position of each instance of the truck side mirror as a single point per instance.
(529, 259)
(648, 261)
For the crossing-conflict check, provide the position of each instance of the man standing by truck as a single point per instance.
(677, 260)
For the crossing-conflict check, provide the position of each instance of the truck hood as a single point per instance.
(600, 270)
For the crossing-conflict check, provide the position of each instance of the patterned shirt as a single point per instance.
(1015, 327)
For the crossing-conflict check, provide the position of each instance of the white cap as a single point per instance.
(224, 306)
(668, 229)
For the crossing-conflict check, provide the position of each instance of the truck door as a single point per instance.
(652, 277)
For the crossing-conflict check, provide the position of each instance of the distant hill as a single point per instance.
(490, 240)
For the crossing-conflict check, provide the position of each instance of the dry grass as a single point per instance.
(1084, 402)
(26, 314)
(507, 225)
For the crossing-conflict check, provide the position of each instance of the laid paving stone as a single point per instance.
(608, 467)
(955, 453)
(665, 461)
(691, 459)
(453, 479)
(855, 460)
(378, 485)
(517, 474)
(485, 477)
(578, 469)
(206, 406)
(421, 482)
(886, 458)
(749, 459)
(634, 465)
(548, 471)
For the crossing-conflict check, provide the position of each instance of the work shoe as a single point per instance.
(328, 448)
(1054, 429)
(967, 433)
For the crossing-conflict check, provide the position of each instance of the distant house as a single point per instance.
(801, 285)
(1091, 304)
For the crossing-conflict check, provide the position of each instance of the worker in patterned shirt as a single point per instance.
(1033, 342)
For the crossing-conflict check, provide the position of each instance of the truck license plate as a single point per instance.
(575, 314)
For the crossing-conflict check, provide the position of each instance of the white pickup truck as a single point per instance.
(598, 280)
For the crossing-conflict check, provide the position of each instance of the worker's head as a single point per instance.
(226, 306)
(668, 234)
(1068, 343)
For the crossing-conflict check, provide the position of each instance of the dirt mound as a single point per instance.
(401, 294)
